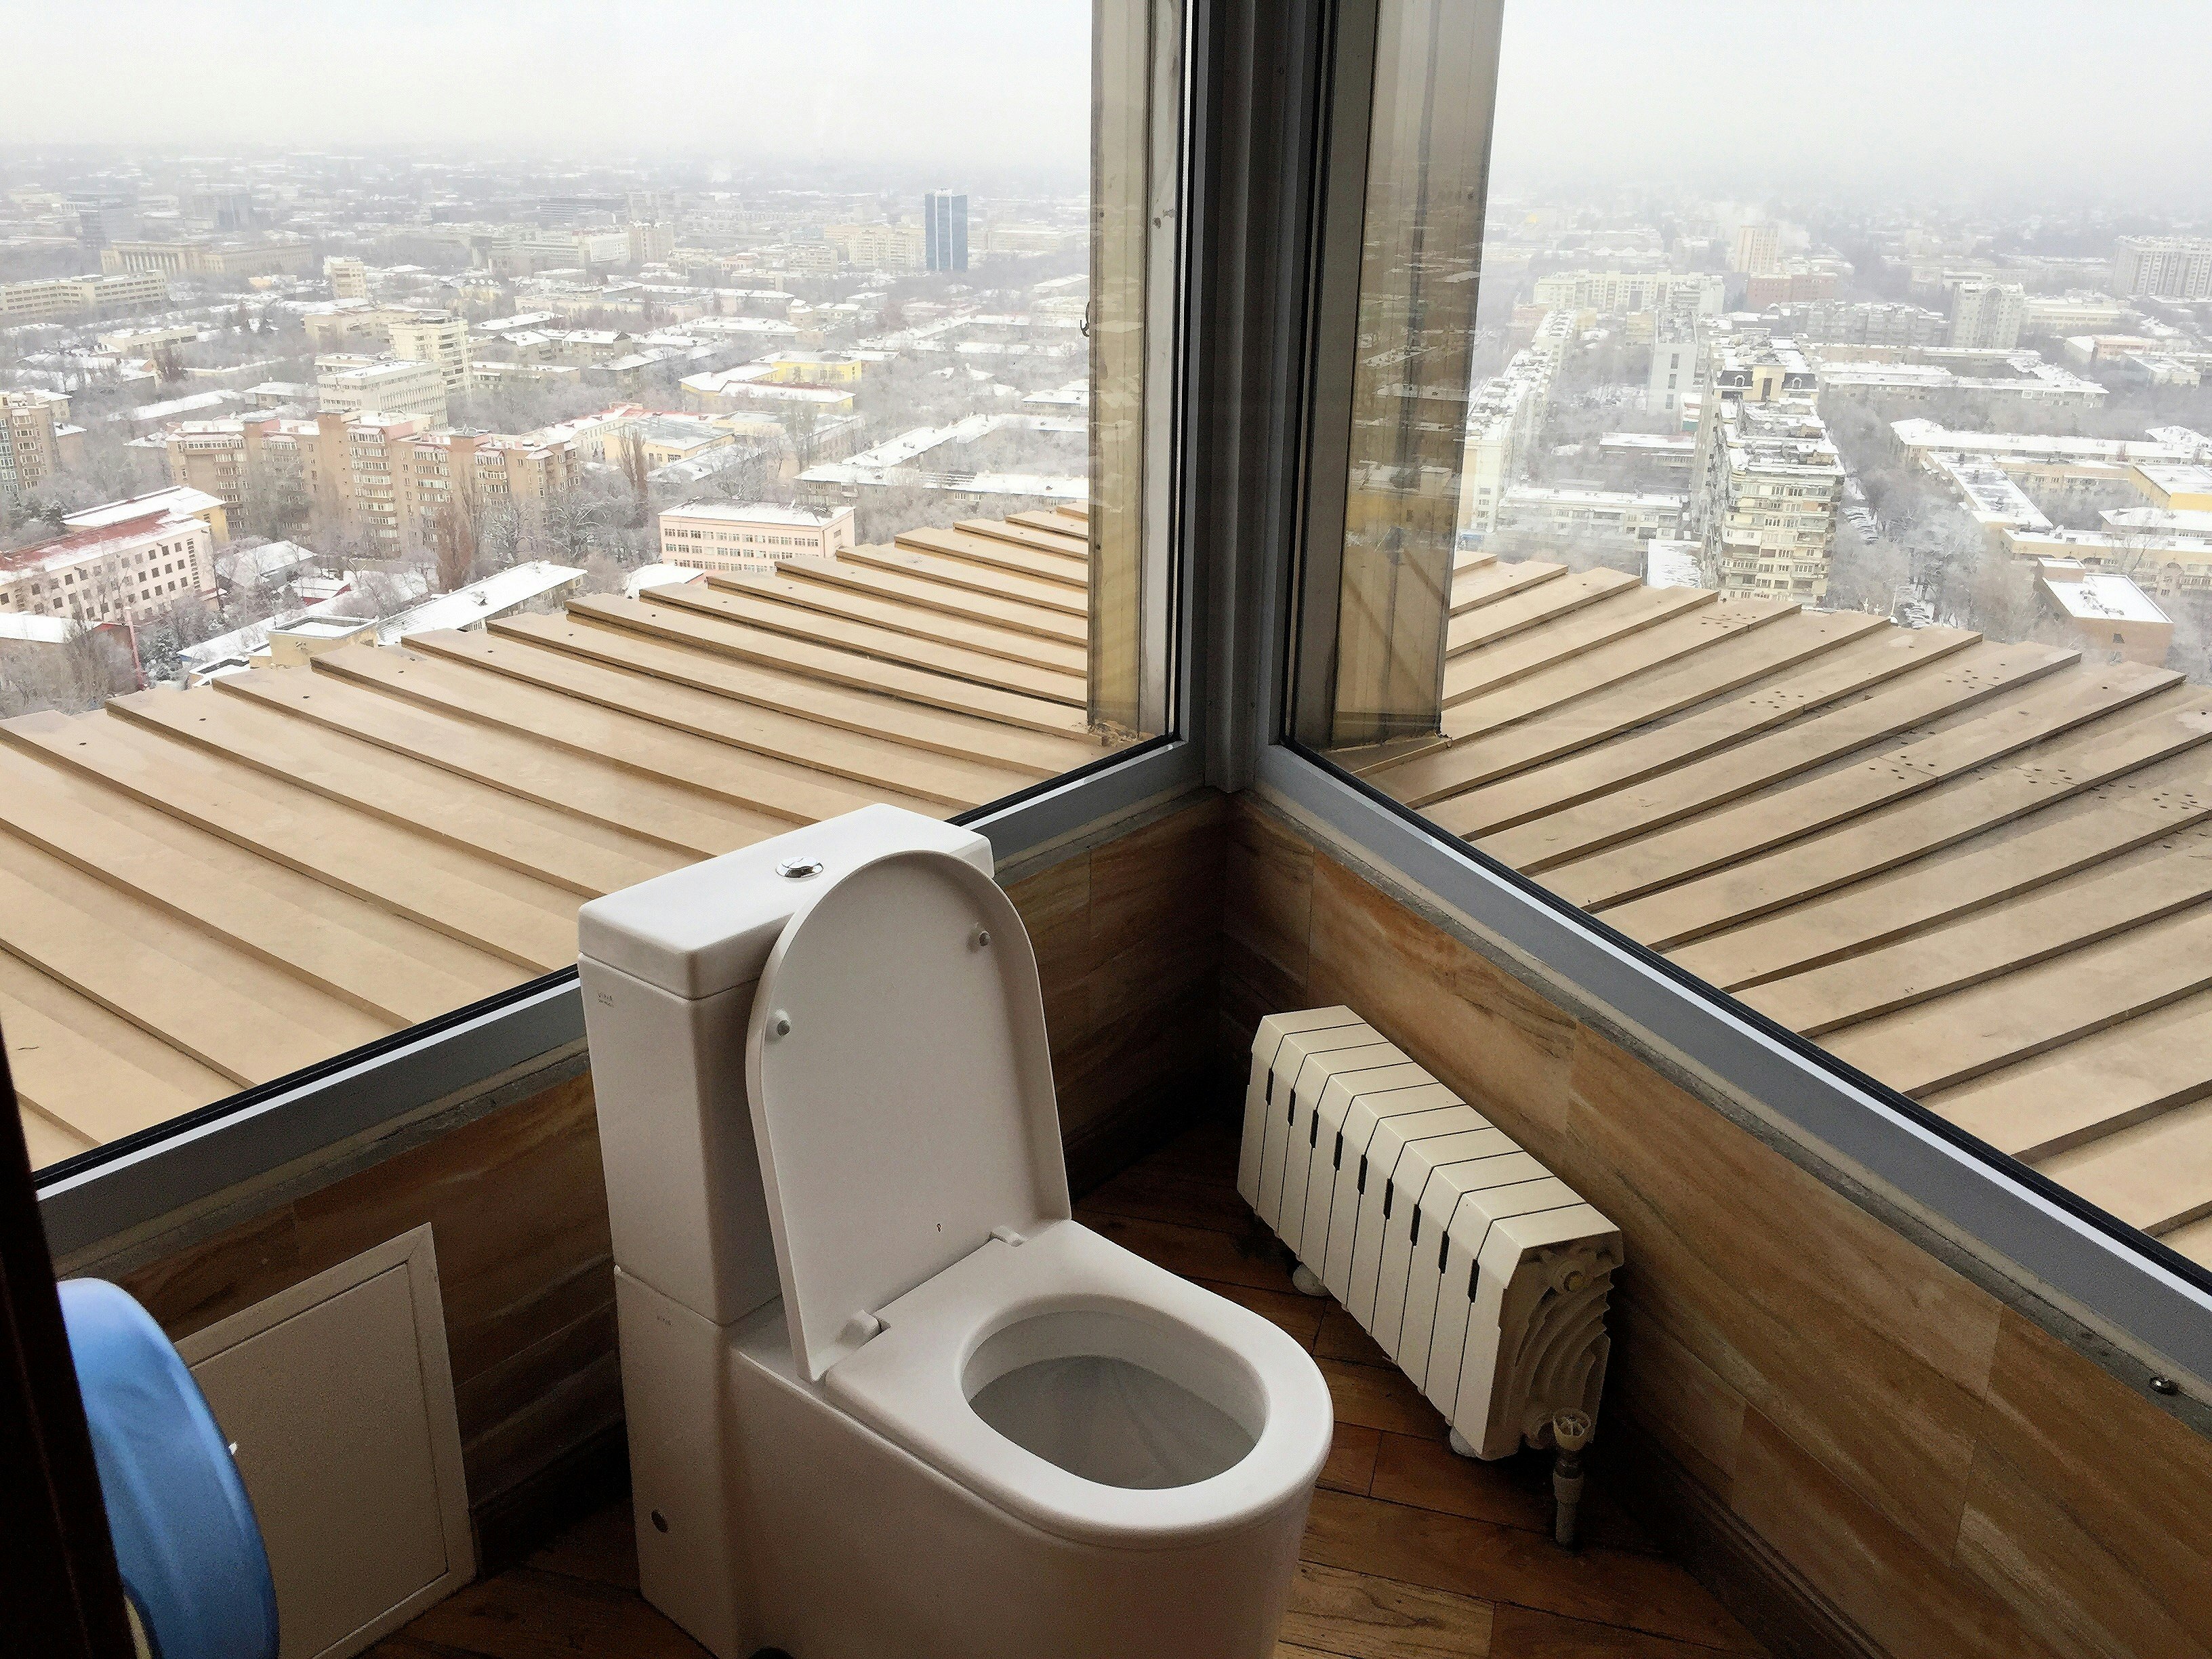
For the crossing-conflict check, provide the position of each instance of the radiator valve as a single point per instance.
(1570, 1432)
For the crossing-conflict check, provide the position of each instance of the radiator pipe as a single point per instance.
(1570, 1432)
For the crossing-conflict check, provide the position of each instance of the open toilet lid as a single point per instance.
(907, 1109)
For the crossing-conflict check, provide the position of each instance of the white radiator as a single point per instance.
(1479, 1271)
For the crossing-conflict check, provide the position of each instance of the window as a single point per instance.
(355, 839)
(1906, 802)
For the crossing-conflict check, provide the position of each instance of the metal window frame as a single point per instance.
(133, 1185)
(2020, 1231)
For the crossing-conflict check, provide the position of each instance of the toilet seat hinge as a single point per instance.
(1007, 1235)
(862, 1327)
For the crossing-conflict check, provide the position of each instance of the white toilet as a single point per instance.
(886, 1399)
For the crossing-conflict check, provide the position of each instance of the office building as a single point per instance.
(2163, 267)
(54, 297)
(733, 539)
(348, 385)
(207, 259)
(945, 230)
(1987, 316)
(121, 562)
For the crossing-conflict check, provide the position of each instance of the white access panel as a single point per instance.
(1383, 1203)
(339, 1397)
(1258, 1091)
(1405, 1231)
(1465, 1196)
(1326, 1160)
(1442, 1199)
(1314, 1080)
(1294, 1061)
(1346, 1209)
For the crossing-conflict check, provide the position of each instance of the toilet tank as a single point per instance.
(668, 969)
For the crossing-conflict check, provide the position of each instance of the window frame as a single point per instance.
(2016, 1231)
(150, 1181)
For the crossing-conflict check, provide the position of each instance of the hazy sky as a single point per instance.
(2058, 99)
(946, 84)
(2065, 101)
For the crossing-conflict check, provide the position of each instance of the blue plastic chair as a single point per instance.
(185, 1538)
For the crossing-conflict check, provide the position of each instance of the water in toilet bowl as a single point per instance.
(1106, 1420)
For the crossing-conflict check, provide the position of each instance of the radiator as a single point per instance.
(1481, 1274)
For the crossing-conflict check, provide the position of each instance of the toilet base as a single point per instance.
(795, 1528)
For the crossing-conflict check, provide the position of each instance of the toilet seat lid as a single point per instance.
(900, 1089)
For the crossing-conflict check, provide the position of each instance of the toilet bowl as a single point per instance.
(885, 1395)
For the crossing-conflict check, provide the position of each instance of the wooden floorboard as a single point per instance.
(1412, 1552)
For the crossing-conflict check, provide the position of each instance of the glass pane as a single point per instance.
(430, 499)
(1831, 593)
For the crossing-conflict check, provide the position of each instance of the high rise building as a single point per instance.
(31, 433)
(1987, 316)
(944, 229)
(1757, 249)
(440, 338)
(2168, 267)
(348, 277)
(1767, 483)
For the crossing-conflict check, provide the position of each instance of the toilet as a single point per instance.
(886, 1398)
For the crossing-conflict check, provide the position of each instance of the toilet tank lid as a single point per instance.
(707, 928)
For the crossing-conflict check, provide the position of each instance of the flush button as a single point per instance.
(798, 869)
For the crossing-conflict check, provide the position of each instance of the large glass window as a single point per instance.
(456, 463)
(1778, 519)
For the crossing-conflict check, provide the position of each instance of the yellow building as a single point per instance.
(200, 258)
(2184, 488)
(33, 425)
(440, 338)
(876, 247)
(348, 277)
(71, 296)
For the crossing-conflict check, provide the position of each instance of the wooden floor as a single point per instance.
(1411, 1553)
(1980, 872)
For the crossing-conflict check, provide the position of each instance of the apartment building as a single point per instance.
(384, 474)
(33, 432)
(1613, 293)
(1504, 415)
(1767, 483)
(349, 384)
(1861, 322)
(878, 247)
(2163, 267)
(348, 277)
(1611, 518)
(732, 539)
(122, 562)
(55, 297)
(440, 338)
(1758, 250)
(1987, 316)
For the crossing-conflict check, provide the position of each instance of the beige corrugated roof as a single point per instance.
(1977, 871)
(205, 889)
